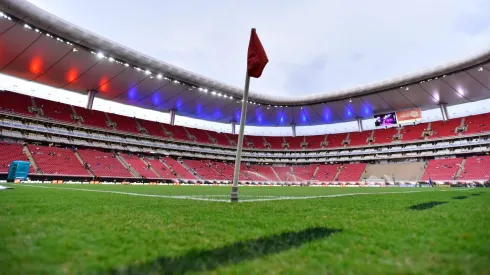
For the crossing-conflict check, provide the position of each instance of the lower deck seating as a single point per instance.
(179, 170)
(140, 167)
(285, 173)
(326, 172)
(442, 169)
(476, 168)
(104, 164)
(351, 172)
(57, 161)
(10, 152)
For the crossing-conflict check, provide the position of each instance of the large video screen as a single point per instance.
(385, 119)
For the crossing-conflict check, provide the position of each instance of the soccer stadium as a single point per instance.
(112, 161)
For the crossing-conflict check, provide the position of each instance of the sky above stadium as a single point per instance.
(314, 46)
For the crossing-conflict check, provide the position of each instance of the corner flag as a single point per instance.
(256, 61)
(257, 58)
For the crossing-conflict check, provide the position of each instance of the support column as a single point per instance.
(359, 124)
(293, 128)
(90, 98)
(172, 117)
(443, 108)
(233, 126)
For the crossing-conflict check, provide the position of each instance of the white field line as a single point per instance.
(128, 193)
(259, 197)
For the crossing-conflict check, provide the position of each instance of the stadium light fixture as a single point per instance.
(159, 76)
(27, 27)
(75, 50)
(126, 65)
(111, 59)
(213, 92)
(480, 69)
(147, 72)
(406, 89)
(100, 55)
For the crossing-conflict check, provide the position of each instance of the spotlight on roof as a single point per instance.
(159, 76)
(27, 27)
(406, 89)
(75, 50)
(147, 72)
(480, 69)
(213, 92)
(126, 64)
(111, 59)
(100, 55)
(350, 99)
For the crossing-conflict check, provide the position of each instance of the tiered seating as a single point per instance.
(257, 141)
(327, 172)
(92, 117)
(294, 142)
(351, 172)
(359, 138)
(220, 138)
(413, 132)
(57, 161)
(275, 142)
(476, 168)
(10, 152)
(104, 164)
(442, 169)
(178, 132)
(249, 173)
(335, 140)
(124, 123)
(139, 166)
(223, 168)
(285, 173)
(384, 135)
(160, 168)
(153, 128)
(264, 171)
(55, 110)
(304, 172)
(314, 142)
(477, 124)
(201, 135)
(17, 103)
(203, 169)
(445, 128)
(182, 173)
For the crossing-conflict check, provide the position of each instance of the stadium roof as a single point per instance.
(41, 47)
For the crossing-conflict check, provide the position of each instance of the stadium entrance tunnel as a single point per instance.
(208, 260)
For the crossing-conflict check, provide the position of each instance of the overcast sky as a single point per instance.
(314, 46)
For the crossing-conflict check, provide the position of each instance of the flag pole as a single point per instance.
(236, 175)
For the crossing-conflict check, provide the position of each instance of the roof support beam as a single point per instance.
(443, 109)
(90, 98)
(359, 124)
(293, 128)
(172, 117)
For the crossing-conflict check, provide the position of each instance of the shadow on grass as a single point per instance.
(207, 260)
(476, 194)
(460, 198)
(426, 205)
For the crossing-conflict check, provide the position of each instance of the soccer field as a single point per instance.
(124, 229)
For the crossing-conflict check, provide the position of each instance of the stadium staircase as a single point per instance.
(151, 167)
(314, 172)
(275, 173)
(83, 163)
(189, 169)
(336, 177)
(461, 169)
(126, 165)
(30, 158)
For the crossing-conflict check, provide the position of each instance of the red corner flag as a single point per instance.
(257, 58)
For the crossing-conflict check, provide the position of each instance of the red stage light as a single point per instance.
(36, 65)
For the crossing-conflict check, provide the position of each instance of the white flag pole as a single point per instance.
(236, 175)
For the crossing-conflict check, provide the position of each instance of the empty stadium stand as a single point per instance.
(476, 168)
(445, 128)
(351, 172)
(92, 117)
(442, 169)
(382, 136)
(55, 110)
(124, 123)
(104, 164)
(10, 152)
(57, 161)
(141, 168)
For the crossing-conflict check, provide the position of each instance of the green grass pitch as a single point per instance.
(122, 229)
